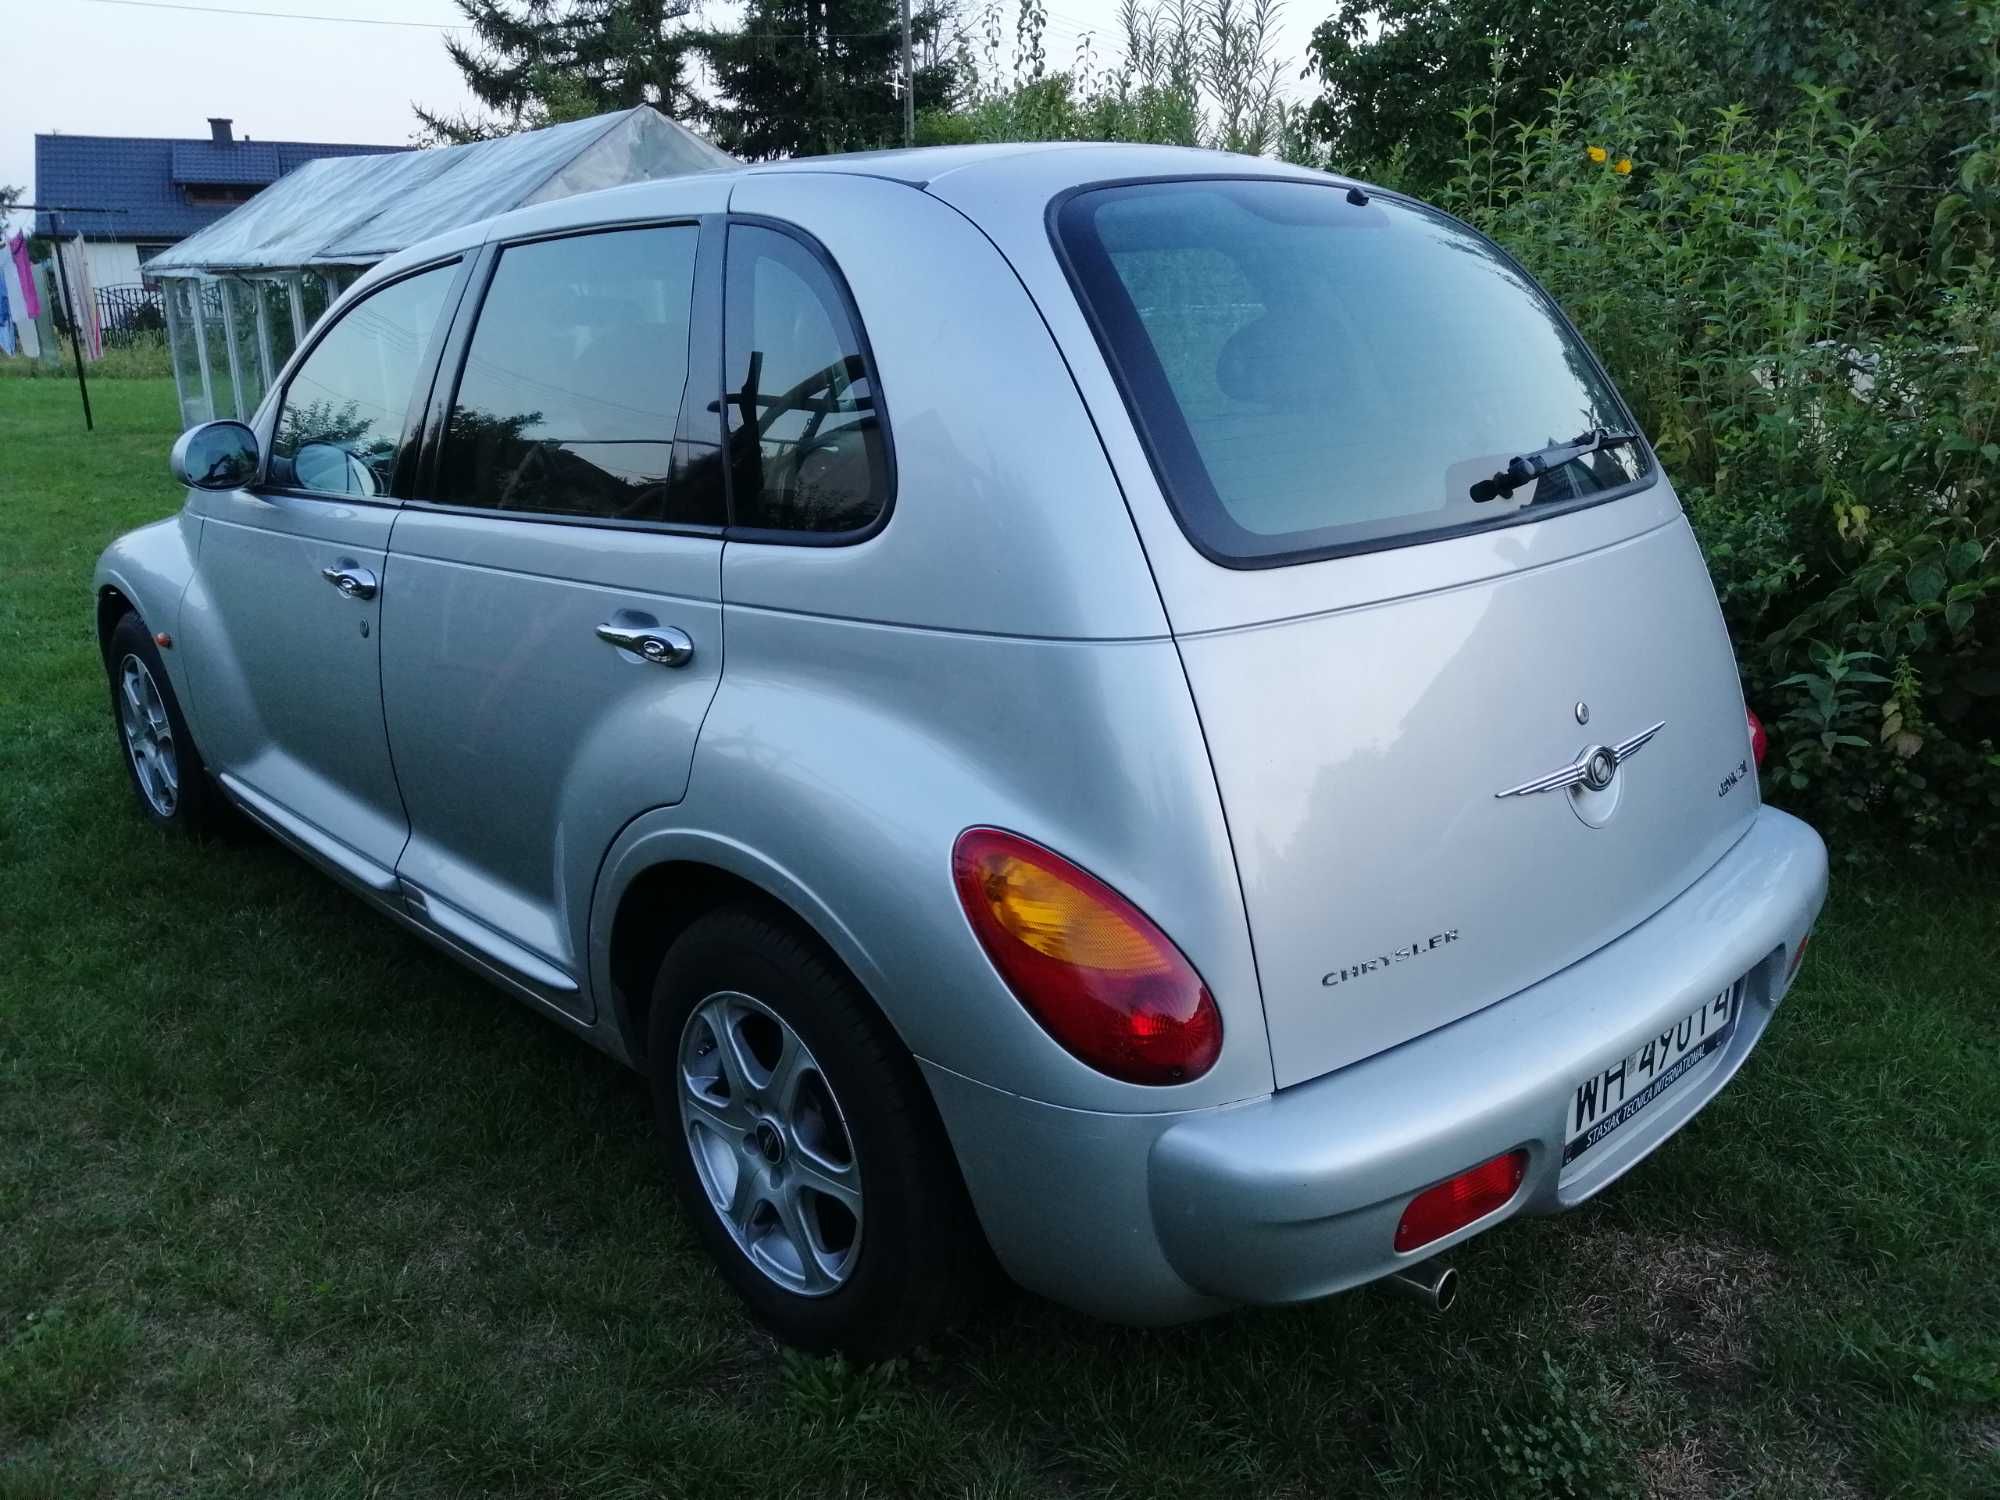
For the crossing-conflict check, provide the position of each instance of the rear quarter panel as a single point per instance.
(841, 760)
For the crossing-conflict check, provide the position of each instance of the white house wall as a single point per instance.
(111, 262)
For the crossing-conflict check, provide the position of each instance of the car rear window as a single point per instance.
(1314, 375)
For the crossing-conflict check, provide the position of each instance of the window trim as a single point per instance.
(458, 347)
(420, 387)
(1143, 420)
(777, 536)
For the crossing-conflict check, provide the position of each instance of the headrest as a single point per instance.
(1274, 361)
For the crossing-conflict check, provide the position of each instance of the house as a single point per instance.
(133, 196)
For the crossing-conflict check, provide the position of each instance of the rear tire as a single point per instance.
(168, 779)
(803, 1144)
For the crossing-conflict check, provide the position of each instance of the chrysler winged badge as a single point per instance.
(1593, 769)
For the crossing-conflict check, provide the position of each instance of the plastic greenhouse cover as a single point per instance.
(359, 209)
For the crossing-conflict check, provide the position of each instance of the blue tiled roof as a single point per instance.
(146, 178)
(242, 163)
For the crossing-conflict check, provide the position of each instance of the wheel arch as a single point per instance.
(147, 572)
(113, 604)
(657, 885)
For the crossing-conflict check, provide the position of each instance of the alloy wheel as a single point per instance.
(149, 736)
(770, 1144)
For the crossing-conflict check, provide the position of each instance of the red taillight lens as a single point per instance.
(1759, 741)
(1456, 1202)
(1085, 962)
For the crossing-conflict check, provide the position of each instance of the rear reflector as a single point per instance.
(1760, 742)
(1458, 1201)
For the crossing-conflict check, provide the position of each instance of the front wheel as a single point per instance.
(802, 1142)
(168, 779)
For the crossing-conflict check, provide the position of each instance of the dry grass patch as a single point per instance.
(1694, 1298)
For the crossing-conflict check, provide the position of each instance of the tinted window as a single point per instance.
(342, 418)
(805, 435)
(573, 381)
(1309, 372)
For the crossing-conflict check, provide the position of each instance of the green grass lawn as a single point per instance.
(290, 1204)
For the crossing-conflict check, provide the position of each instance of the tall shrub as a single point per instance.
(1829, 409)
(1185, 73)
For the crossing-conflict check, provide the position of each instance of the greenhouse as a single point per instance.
(241, 294)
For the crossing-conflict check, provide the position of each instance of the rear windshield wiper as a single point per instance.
(1526, 468)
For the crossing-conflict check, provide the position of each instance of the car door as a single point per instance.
(285, 664)
(555, 637)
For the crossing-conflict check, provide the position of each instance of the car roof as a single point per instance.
(976, 178)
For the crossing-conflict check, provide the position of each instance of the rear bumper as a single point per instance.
(1157, 1218)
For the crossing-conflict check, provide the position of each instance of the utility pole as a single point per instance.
(909, 85)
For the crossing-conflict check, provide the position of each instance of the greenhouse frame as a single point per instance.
(242, 294)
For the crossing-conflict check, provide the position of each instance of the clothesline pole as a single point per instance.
(75, 344)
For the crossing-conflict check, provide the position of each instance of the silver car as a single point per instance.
(1144, 714)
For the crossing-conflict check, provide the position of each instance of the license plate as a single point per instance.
(1605, 1101)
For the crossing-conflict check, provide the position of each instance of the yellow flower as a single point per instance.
(1597, 154)
(1624, 167)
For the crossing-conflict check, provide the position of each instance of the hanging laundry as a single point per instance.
(20, 295)
(83, 298)
(45, 344)
(24, 271)
(6, 321)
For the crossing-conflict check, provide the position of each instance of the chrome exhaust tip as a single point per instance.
(1431, 1282)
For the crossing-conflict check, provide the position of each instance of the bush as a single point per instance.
(1188, 73)
(135, 356)
(1829, 409)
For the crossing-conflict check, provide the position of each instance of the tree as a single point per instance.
(540, 62)
(1392, 72)
(805, 77)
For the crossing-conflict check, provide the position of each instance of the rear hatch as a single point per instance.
(1383, 664)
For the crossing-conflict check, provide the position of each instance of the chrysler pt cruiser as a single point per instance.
(1142, 714)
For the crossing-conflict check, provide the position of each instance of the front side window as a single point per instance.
(573, 382)
(341, 423)
(806, 448)
(1314, 375)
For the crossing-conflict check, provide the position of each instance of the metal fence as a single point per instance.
(131, 308)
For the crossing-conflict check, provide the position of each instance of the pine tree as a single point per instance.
(805, 77)
(540, 62)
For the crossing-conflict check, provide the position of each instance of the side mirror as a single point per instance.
(215, 456)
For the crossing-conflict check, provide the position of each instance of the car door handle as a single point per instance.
(663, 645)
(356, 583)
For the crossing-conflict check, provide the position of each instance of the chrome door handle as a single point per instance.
(356, 583)
(663, 645)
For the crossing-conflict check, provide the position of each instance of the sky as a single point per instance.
(140, 67)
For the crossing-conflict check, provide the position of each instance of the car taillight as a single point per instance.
(1087, 964)
(1759, 741)
(1458, 1201)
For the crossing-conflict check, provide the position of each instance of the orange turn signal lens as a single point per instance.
(1087, 964)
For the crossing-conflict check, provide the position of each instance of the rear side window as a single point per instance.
(573, 379)
(1313, 375)
(806, 446)
(341, 422)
